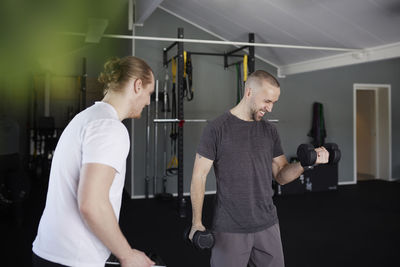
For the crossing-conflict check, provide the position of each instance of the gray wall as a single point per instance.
(334, 88)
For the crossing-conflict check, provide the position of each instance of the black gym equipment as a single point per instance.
(188, 77)
(334, 152)
(306, 155)
(113, 261)
(14, 185)
(201, 240)
(318, 130)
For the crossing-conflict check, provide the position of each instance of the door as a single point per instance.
(372, 132)
(366, 134)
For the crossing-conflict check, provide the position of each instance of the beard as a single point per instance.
(136, 114)
(255, 115)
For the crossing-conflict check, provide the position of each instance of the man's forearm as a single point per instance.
(197, 190)
(101, 220)
(289, 173)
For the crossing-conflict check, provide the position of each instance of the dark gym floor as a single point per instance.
(357, 225)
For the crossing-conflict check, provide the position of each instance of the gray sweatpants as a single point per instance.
(260, 249)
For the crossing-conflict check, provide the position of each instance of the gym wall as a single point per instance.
(334, 88)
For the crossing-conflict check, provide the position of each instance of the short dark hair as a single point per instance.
(262, 75)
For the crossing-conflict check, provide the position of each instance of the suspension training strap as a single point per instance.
(189, 78)
(245, 68)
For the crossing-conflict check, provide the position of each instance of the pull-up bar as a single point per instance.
(177, 120)
(191, 120)
(226, 55)
(200, 41)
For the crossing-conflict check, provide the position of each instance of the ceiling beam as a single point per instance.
(344, 59)
(143, 10)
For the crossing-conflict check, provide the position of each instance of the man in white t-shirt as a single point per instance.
(79, 225)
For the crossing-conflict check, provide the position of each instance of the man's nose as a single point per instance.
(269, 107)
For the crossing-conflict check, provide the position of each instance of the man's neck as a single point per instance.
(118, 103)
(242, 111)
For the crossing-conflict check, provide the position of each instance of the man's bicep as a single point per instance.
(277, 164)
(95, 180)
(202, 165)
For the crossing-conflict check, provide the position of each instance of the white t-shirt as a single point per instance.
(94, 136)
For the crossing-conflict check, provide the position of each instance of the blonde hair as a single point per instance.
(118, 71)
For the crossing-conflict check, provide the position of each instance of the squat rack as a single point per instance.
(180, 76)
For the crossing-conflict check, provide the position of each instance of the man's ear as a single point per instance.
(137, 86)
(248, 91)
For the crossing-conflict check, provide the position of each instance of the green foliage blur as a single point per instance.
(31, 31)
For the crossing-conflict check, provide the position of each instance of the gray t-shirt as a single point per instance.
(242, 152)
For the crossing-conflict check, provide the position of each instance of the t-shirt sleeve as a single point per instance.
(208, 143)
(277, 151)
(106, 142)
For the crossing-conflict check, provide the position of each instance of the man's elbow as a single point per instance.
(84, 209)
(87, 209)
(280, 180)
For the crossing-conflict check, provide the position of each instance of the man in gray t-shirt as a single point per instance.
(246, 153)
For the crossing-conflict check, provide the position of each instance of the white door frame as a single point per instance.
(373, 87)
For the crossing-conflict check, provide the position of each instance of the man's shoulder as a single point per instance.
(269, 128)
(107, 125)
(220, 120)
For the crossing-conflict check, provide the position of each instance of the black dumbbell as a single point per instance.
(334, 152)
(201, 239)
(308, 156)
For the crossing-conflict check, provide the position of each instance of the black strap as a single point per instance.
(174, 133)
(188, 83)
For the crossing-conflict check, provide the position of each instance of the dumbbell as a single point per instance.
(334, 152)
(201, 239)
(308, 156)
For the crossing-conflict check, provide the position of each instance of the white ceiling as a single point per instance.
(372, 25)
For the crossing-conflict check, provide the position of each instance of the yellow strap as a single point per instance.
(184, 63)
(245, 68)
(173, 163)
(173, 70)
